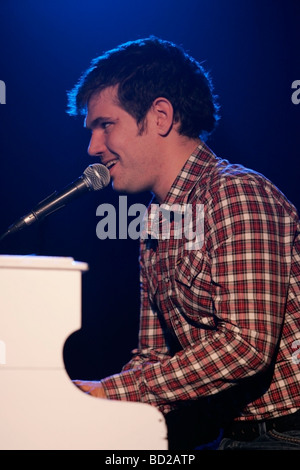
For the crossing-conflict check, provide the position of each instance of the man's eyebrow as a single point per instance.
(96, 122)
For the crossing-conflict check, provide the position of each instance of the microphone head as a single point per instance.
(97, 176)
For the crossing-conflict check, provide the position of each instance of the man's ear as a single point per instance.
(164, 115)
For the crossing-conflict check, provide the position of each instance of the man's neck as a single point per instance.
(174, 159)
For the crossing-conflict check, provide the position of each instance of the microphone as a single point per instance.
(94, 177)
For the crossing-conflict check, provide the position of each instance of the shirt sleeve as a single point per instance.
(131, 383)
(248, 240)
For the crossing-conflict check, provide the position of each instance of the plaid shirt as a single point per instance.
(224, 316)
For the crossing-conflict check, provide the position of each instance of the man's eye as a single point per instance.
(105, 125)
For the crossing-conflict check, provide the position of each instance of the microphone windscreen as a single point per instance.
(97, 176)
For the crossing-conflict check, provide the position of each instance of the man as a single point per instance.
(218, 348)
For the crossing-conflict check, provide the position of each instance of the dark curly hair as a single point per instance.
(145, 70)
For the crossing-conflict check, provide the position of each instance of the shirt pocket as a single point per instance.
(193, 288)
(188, 267)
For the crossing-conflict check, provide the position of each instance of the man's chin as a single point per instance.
(119, 188)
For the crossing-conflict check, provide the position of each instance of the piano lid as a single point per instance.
(41, 262)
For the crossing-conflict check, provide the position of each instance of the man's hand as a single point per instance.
(91, 388)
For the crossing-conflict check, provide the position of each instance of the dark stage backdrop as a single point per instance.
(251, 48)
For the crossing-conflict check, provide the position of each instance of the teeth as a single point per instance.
(111, 164)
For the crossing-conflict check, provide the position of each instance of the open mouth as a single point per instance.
(110, 164)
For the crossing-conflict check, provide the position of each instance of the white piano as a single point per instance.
(40, 408)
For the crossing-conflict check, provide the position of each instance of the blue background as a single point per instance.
(252, 51)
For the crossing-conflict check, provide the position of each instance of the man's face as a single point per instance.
(131, 157)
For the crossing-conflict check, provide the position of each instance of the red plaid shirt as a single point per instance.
(220, 316)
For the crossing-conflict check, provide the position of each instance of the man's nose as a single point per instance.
(97, 144)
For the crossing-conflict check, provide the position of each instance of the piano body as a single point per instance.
(40, 407)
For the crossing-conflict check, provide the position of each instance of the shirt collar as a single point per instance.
(193, 170)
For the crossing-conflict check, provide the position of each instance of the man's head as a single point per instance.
(144, 70)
